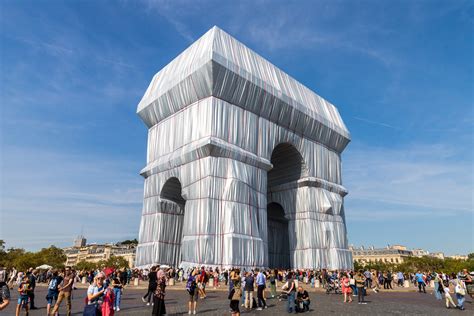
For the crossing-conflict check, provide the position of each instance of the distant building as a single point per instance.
(458, 257)
(420, 252)
(80, 241)
(97, 252)
(391, 254)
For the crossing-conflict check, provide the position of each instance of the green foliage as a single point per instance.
(114, 262)
(128, 242)
(22, 260)
(86, 265)
(426, 263)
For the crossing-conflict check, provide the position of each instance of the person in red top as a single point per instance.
(346, 288)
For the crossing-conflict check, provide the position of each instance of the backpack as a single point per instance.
(191, 285)
(53, 284)
(3, 276)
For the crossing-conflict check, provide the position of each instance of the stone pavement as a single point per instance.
(386, 303)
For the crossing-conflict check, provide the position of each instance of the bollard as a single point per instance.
(171, 281)
(316, 283)
(136, 282)
(406, 283)
(432, 283)
(211, 282)
(84, 280)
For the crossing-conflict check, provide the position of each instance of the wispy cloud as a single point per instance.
(376, 123)
(57, 192)
(434, 179)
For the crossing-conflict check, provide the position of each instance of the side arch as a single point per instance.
(288, 165)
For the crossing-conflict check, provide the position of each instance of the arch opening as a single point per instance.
(287, 163)
(173, 204)
(278, 237)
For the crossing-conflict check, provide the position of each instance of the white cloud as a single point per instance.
(416, 180)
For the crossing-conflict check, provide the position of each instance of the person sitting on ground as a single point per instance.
(302, 300)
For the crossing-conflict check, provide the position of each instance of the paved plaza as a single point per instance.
(384, 303)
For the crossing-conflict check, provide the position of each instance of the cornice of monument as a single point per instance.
(214, 63)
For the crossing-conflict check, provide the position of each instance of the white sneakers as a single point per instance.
(189, 312)
(118, 309)
(144, 300)
(148, 304)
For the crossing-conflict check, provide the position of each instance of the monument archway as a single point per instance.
(288, 167)
(278, 237)
(172, 203)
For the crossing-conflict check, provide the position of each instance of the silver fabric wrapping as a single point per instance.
(216, 115)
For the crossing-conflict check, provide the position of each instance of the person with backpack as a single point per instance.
(53, 290)
(460, 291)
(23, 289)
(65, 292)
(4, 289)
(191, 287)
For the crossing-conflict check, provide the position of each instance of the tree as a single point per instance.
(129, 242)
(86, 265)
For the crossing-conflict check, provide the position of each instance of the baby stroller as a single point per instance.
(333, 286)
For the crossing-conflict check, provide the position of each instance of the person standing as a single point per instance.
(118, 286)
(389, 280)
(23, 289)
(419, 277)
(65, 292)
(437, 284)
(400, 278)
(249, 288)
(31, 275)
(53, 289)
(290, 307)
(159, 307)
(460, 290)
(4, 290)
(191, 287)
(261, 282)
(360, 283)
(346, 288)
(152, 284)
(273, 285)
(236, 292)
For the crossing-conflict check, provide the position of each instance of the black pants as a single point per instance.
(420, 285)
(31, 295)
(360, 294)
(260, 296)
(149, 294)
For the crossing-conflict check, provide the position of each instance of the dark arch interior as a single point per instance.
(172, 191)
(278, 237)
(287, 165)
(172, 204)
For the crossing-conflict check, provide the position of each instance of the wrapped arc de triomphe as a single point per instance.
(243, 165)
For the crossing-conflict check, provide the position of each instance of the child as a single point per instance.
(23, 289)
(448, 297)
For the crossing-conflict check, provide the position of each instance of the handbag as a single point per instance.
(231, 294)
(460, 290)
(90, 310)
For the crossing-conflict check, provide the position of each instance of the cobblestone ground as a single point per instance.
(216, 303)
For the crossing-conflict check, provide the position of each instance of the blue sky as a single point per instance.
(400, 73)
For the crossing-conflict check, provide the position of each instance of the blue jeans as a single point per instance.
(118, 296)
(460, 299)
(437, 293)
(291, 302)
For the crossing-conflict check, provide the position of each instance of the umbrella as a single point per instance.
(44, 267)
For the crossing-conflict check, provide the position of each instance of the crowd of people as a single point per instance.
(248, 289)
